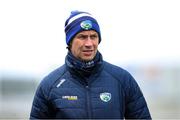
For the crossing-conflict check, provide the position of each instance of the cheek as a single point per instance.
(75, 48)
(96, 45)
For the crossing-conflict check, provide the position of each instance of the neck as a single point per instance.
(83, 66)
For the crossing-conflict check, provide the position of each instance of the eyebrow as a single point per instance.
(81, 34)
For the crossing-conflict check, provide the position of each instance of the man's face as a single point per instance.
(84, 45)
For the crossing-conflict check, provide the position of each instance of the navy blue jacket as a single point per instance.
(109, 92)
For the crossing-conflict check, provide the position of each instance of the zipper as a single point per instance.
(88, 98)
(89, 113)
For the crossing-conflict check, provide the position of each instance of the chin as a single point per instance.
(88, 59)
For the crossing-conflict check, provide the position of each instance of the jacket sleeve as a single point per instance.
(135, 104)
(40, 106)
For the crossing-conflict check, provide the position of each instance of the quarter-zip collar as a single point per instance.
(83, 69)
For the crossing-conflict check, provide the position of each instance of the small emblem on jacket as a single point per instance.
(105, 97)
(61, 82)
(70, 97)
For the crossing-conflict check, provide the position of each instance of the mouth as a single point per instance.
(87, 52)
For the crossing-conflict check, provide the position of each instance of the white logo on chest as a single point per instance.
(61, 82)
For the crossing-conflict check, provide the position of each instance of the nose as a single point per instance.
(88, 42)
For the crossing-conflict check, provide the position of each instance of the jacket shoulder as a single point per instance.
(116, 71)
(47, 83)
(136, 106)
(124, 78)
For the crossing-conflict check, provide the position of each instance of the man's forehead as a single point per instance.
(87, 32)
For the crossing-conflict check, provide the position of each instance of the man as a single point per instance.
(86, 86)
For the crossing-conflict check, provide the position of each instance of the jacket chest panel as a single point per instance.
(70, 98)
(96, 100)
(104, 98)
(77, 98)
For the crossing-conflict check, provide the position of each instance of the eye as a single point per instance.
(82, 37)
(94, 36)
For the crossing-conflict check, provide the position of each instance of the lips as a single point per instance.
(87, 52)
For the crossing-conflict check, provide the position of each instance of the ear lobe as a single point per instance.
(69, 46)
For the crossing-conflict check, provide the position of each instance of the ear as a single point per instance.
(69, 46)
